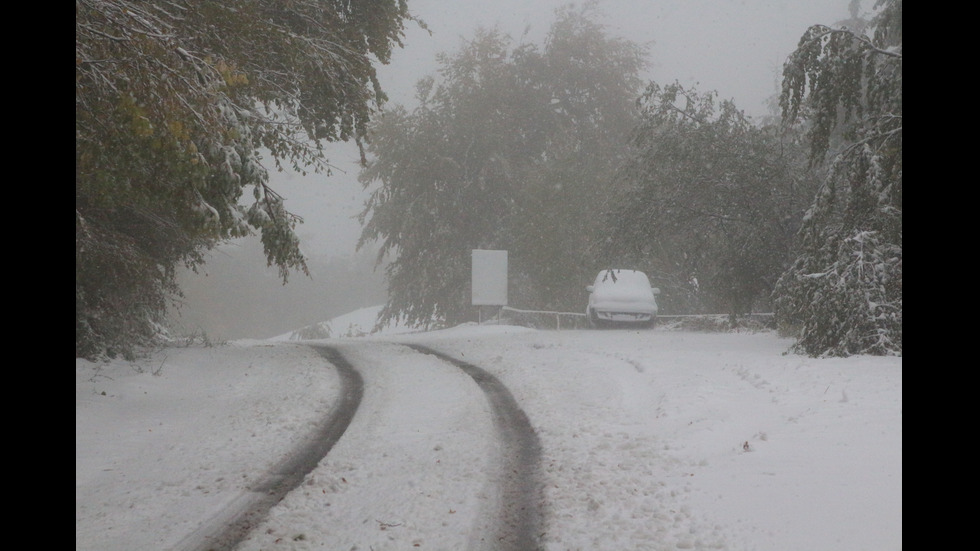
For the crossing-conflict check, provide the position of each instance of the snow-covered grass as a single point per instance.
(650, 439)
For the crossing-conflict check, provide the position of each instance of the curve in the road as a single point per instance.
(292, 470)
(520, 520)
(234, 524)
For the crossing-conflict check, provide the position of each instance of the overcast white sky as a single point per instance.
(735, 47)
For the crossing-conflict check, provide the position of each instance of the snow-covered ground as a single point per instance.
(650, 439)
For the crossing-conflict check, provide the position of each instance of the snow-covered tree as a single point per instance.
(586, 82)
(508, 149)
(174, 100)
(843, 294)
(445, 180)
(709, 202)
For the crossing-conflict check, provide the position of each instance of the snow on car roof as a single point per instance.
(627, 276)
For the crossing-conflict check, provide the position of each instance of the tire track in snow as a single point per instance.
(230, 526)
(519, 523)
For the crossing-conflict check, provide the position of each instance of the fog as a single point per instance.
(734, 47)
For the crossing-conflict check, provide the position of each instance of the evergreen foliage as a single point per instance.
(173, 102)
(507, 150)
(710, 203)
(843, 294)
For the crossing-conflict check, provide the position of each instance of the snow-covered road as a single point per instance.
(656, 440)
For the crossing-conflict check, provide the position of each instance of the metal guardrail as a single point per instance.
(749, 315)
(578, 319)
(557, 315)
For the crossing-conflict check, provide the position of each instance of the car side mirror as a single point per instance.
(656, 290)
(590, 288)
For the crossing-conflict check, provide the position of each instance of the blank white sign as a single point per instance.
(489, 278)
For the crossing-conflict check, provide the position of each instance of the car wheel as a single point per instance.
(593, 319)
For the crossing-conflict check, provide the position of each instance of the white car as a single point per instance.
(622, 297)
